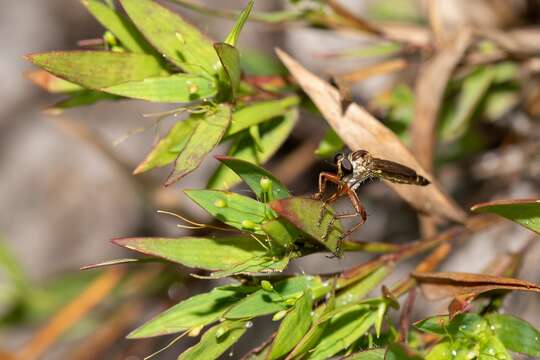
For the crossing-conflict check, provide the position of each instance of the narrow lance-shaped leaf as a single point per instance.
(178, 88)
(516, 334)
(525, 212)
(98, 69)
(373, 354)
(80, 98)
(451, 284)
(233, 209)
(293, 327)
(168, 148)
(121, 27)
(233, 36)
(273, 135)
(211, 345)
(198, 310)
(180, 42)
(304, 214)
(208, 132)
(51, 83)
(252, 175)
(197, 252)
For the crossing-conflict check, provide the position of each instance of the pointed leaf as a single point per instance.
(208, 132)
(281, 232)
(51, 83)
(233, 209)
(121, 27)
(197, 252)
(168, 148)
(80, 98)
(98, 69)
(398, 351)
(256, 264)
(178, 88)
(180, 42)
(273, 135)
(233, 36)
(198, 310)
(516, 334)
(304, 213)
(373, 354)
(211, 346)
(293, 327)
(525, 212)
(252, 174)
(264, 302)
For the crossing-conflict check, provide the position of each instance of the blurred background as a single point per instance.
(66, 187)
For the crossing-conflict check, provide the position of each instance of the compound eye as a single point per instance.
(337, 157)
(346, 166)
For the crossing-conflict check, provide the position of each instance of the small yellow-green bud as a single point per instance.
(195, 331)
(193, 88)
(279, 315)
(220, 203)
(266, 184)
(249, 225)
(109, 38)
(290, 301)
(117, 49)
(267, 285)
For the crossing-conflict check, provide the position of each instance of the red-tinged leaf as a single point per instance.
(98, 69)
(442, 285)
(304, 213)
(525, 212)
(51, 83)
(360, 130)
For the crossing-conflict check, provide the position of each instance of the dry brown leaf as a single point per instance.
(441, 285)
(354, 21)
(360, 130)
(429, 92)
(520, 42)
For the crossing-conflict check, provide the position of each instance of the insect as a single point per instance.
(352, 170)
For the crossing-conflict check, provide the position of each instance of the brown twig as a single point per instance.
(72, 313)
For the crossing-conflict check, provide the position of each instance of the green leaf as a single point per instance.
(256, 62)
(446, 350)
(462, 325)
(474, 88)
(208, 132)
(304, 213)
(264, 302)
(122, 28)
(233, 36)
(281, 232)
(211, 346)
(360, 289)
(293, 327)
(252, 174)
(80, 98)
(525, 212)
(198, 252)
(259, 112)
(493, 348)
(180, 42)
(230, 62)
(178, 88)
(434, 324)
(168, 148)
(98, 69)
(330, 144)
(273, 135)
(342, 331)
(233, 209)
(51, 83)
(12, 268)
(198, 310)
(373, 354)
(256, 264)
(516, 334)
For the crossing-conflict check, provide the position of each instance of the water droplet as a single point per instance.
(491, 351)
(249, 324)
(492, 327)
(231, 353)
(454, 353)
(326, 284)
(312, 313)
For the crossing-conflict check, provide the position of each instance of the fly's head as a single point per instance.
(353, 168)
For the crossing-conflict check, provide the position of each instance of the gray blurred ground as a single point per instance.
(61, 199)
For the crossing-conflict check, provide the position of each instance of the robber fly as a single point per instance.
(352, 170)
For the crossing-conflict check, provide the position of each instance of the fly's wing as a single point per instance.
(397, 173)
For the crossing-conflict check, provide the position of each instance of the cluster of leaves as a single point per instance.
(157, 56)
(154, 55)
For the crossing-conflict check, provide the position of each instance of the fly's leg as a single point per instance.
(323, 178)
(359, 210)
